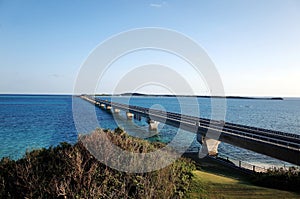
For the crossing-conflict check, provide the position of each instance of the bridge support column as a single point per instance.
(116, 110)
(129, 115)
(153, 124)
(108, 108)
(200, 138)
(209, 145)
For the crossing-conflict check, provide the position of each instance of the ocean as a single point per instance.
(33, 121)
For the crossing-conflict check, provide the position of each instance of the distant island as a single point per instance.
(199, 96)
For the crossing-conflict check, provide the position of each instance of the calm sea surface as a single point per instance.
(33, 121)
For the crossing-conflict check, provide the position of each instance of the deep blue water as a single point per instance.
(28, 121)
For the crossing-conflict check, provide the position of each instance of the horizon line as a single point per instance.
(153, 94)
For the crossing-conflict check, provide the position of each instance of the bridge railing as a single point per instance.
(235, 162)
(243, 164)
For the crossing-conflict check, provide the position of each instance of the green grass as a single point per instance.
(208, 185)
(217, 181)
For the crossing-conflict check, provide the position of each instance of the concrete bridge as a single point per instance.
(280, 145)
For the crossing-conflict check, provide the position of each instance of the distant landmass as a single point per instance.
(199, 96)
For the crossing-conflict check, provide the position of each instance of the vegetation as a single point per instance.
(279, 178)
(70, 171)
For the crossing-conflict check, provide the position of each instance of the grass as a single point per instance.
(217, 181)
(208, 185)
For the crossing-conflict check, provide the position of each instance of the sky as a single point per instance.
(254, 44)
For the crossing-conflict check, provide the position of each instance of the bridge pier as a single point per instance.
(108, 108)
(116, 110)
(129, 115)
(200, 138)
(209, 145)
(153, 125)
(102, 106)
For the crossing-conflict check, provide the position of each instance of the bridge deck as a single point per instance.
(248, 137)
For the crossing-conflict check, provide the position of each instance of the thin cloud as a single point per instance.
(156, 5)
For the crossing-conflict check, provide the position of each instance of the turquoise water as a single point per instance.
(29, 121)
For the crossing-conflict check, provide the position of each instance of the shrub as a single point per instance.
(70, 171)
(279, 178)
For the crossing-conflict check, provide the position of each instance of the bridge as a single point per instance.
(276, 144)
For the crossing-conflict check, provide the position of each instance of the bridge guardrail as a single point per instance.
(244, 164)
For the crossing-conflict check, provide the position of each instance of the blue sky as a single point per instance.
(255, 44)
